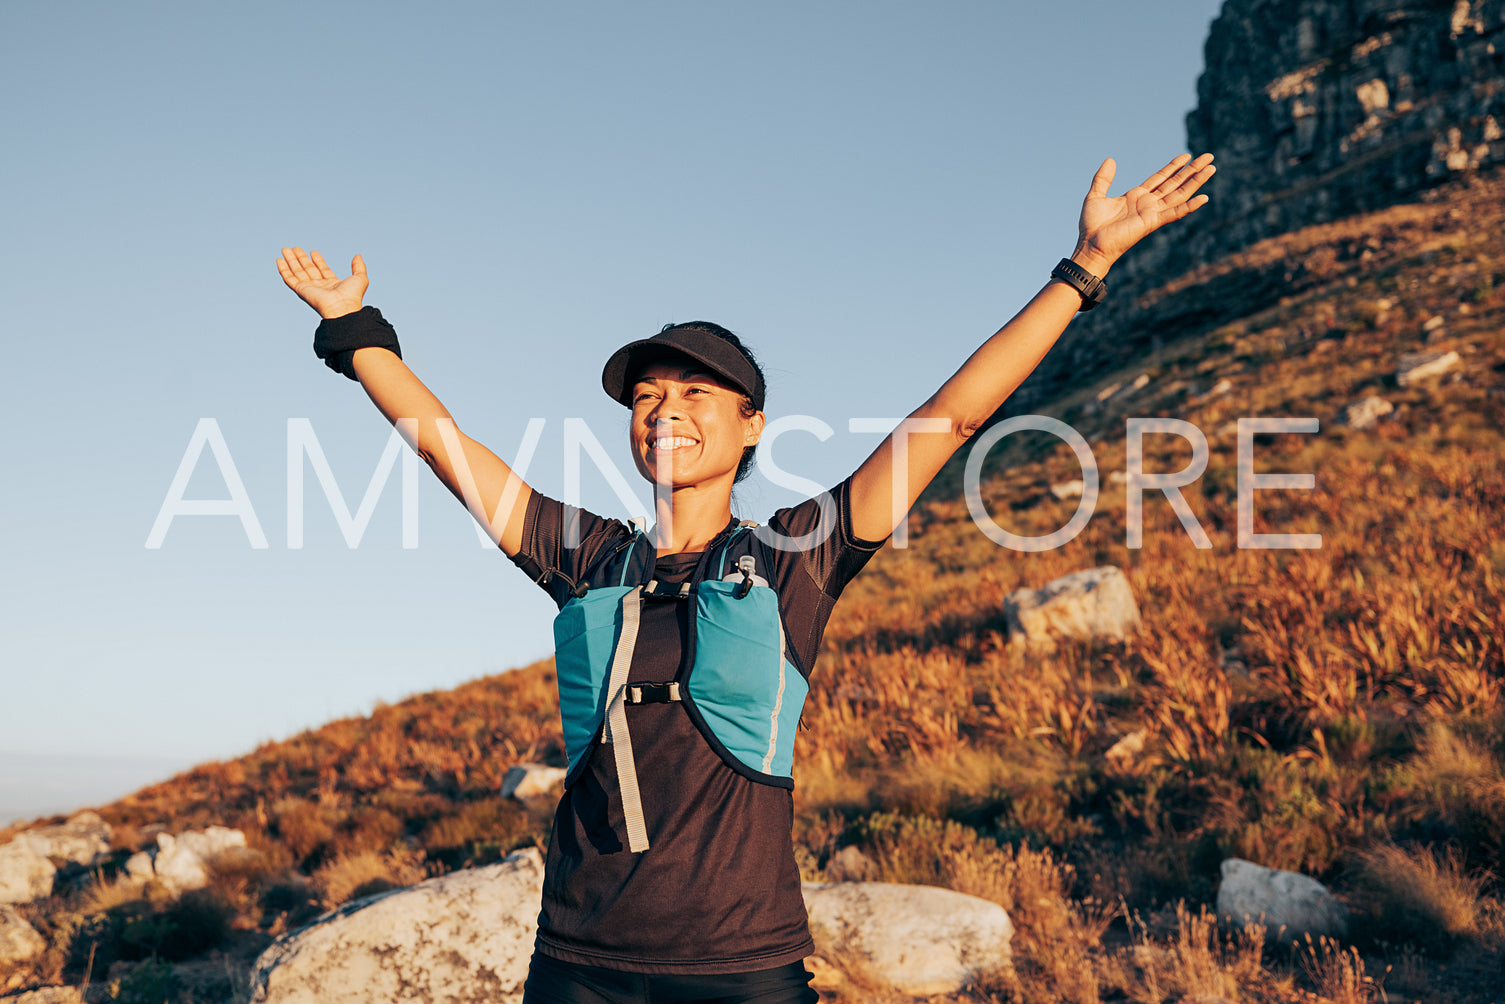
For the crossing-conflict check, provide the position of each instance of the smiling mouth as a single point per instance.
(667, 443)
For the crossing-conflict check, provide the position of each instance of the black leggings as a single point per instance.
(553, 982)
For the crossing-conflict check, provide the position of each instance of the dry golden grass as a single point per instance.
(1419, 895)
(365, 873)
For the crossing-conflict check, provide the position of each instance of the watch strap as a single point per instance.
(1091, 288)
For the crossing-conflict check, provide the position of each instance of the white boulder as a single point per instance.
(1414, 367)
(1096, 603)
(919, 939)
(83, 839)
(464, 938)
(1069, 489)
(19, 941)
(25, 875)
(531, 780)
(1279, 899)
(182, 862)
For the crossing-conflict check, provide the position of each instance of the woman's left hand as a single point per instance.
(1109, 227)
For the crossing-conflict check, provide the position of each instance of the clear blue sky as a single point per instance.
(864, 191)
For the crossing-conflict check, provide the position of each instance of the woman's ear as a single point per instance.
(754, 429)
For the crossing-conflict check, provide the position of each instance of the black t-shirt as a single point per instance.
(718, 890)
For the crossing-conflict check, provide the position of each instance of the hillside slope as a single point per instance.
(1336, 711)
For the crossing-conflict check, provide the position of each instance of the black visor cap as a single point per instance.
(716, 354)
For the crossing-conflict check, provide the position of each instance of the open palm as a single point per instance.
(1109, 227)
(317, 285)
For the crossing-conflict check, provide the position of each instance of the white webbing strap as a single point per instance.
(616, 723)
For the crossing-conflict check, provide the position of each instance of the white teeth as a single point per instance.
(672, 442)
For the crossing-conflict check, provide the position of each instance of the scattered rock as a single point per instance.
(1279, 899)
(1140, 382)
(919, 939)
(1433, 323)
(1069, 489)
(48, 995)
(1415, 367)
(1108, 391)
(464, 938)
(1117, 477)
(18, 939)
(850, 865)
(182, 862)
(83, 839)
(531, 780)
(1095, 603)
(25, 875)
(139, 865)
(1220, 388)
(1366, 411)
(1123, 755)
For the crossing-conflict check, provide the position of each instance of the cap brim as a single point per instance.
(717, 357)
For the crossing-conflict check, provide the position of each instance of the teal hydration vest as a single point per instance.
(740, 687)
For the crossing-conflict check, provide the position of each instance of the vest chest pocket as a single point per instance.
(585, 636)
(748, 693)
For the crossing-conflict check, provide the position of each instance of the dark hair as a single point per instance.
(744, 466)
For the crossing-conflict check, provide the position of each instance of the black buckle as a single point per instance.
(651, 693)
(657, 590)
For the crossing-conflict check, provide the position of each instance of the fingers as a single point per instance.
(1102, 179)
(1155, 180)
(291, 265)
(1187, 187)
(358, 266)
(325, 272)
(1195, 172)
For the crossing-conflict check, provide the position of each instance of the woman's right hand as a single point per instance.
(318, 286)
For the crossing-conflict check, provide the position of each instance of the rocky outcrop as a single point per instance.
(464, 938)
(920, 940)
(25, 875)
(1279, 900)
(1096, 603)
(1316, 111)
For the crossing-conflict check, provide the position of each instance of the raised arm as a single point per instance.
(1107, 229)
(493, 493)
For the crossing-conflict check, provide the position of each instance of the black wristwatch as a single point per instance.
(1084, 282)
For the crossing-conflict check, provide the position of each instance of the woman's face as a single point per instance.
(687, 425)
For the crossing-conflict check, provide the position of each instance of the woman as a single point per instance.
(683, 652)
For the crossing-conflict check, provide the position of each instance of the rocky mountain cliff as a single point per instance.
(1316, 110)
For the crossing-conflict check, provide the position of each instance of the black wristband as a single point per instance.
(1084, 282)
(337, 338)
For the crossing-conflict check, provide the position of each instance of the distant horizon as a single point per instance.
(70, 783)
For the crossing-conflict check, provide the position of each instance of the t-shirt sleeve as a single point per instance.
(816, 555)
(561, 543)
